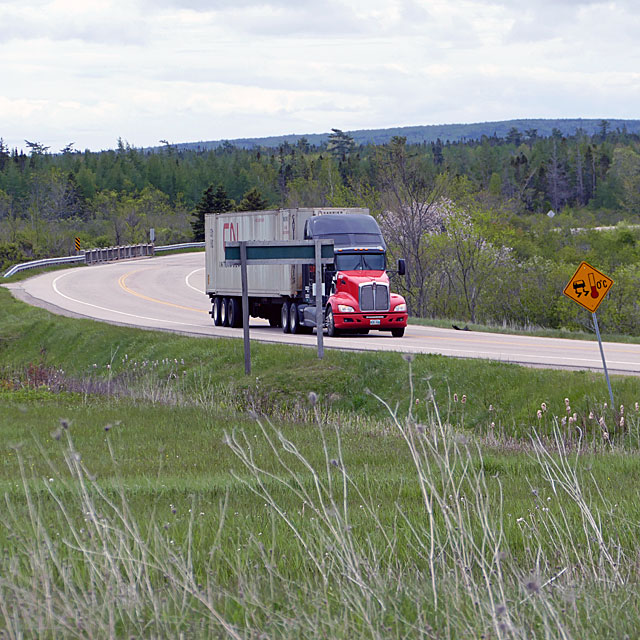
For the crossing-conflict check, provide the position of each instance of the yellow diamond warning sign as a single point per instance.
(588, 287)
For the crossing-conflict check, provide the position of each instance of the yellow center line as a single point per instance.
(122, 283)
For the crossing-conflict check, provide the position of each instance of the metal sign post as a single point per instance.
(245, 308)
(588, 287)
(244, 254)
(604, 362)
(319, 286)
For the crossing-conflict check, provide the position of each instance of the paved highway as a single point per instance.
(167, 293)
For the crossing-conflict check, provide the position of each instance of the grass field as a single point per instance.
(152, 490)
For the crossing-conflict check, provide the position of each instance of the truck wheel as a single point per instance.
(217, 303)
(397, 333)
(284, 317)
(224, 316)
(294, 321)
(331, 325)
(234, 312)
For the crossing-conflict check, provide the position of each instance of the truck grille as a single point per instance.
(374, 297)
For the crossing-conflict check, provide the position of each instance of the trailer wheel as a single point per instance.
(224, 315)
(294, 321)
(284, 317)
(217, 304)
(397, 333)
(331, 325)
(234, 312)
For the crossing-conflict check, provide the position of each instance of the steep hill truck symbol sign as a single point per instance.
(588, 287)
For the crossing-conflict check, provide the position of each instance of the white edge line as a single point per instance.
(189, 284)
(122, 313)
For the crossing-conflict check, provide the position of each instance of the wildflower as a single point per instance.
(571, 420)
(455, 397)
(621, 409)
(566, 401)
(409, 357)
(64, 423)
(107, 427)
(568, 409)
(622, 421)
(492, 425)
(605, 435)
(637, 406)
(543, 406)
(490, 407)
(563, 421)
(417, 401)
(532, 586)
(601, 422)
(539, 414)
(591, 416)
(464, 399)
(313, 398)
(575, 417)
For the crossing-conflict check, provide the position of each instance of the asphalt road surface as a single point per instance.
(167, 293)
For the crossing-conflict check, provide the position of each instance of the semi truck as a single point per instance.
(356, 295)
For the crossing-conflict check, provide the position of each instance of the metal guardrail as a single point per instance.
(45, 262)
(183, 245)
(106, 254)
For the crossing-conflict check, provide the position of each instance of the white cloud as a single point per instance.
(204, 69)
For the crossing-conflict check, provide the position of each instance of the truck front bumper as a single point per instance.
(371, 320)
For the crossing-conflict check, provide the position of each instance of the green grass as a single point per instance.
(143, 498)
(507, 395)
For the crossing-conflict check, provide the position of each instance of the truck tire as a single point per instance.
(284, 315)
(234, 312)
(332, 332)
(397, 333)
(224, 315)
(217, 303)
(294, 319)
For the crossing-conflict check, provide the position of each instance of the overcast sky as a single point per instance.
(88, 71)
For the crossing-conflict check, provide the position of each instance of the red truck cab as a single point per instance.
(358, 297)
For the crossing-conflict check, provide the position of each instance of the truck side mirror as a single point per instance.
(402, 267)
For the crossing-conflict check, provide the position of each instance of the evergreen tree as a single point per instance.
(211, 202)
(252, 201)
(340, 144)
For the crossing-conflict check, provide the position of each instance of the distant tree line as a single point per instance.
(487, 226)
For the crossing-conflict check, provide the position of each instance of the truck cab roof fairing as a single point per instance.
(352, 230)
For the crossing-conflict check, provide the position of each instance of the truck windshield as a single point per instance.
(360, 262)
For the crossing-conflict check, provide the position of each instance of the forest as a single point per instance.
(491, 228)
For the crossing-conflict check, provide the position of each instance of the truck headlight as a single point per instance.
(345, 308)
(400, 307)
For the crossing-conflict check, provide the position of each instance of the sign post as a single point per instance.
(244, 254)
(588, 287)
